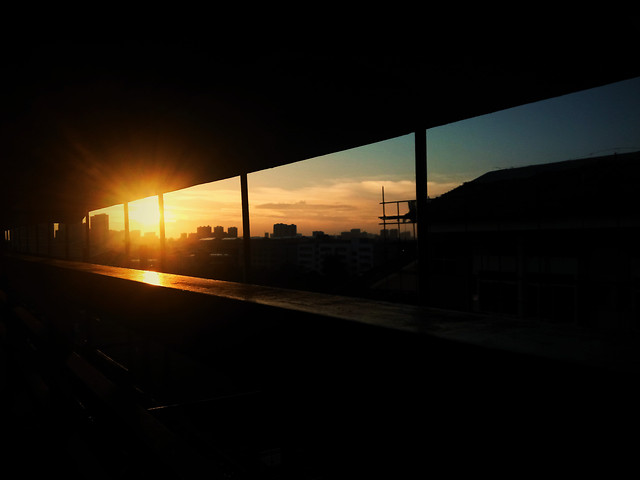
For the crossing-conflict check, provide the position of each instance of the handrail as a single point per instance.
(301, 380)
(580, 345)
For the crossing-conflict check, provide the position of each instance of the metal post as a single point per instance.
(521, 273)
(87, 252)
(36, 231)
(422, 206)
(66, 240)
(127, 238)
(246, 234)
(163, 252)
(50, 233)
(384, 217)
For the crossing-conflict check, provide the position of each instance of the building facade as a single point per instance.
(538, 243)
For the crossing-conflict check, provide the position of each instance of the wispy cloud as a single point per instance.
(334, 206)
(304, 206)
(331, 204)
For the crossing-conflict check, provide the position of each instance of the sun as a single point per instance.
(144, 214)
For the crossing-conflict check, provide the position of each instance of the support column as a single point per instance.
(422, 206)
(66, 241)
(521, 265)
(50, 233)
(163, 256)
(36, 232)
(87, 247)
(384, 218)
(127, 237)
(246, 234)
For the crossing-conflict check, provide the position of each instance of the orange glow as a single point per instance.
(144, 214)
(152, 278)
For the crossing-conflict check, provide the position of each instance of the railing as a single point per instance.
(176, 374)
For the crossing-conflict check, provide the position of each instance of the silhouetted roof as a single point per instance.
(85, 126)
(589, 188)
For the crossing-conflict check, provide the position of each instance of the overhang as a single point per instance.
(85, 126)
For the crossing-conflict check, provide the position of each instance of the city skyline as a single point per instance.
(188, 209)
(342, 190)
(279, 230)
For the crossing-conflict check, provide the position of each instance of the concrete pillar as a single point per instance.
(422, 218)
(50, 233)
(87, 238)
(246, 234)
(163, 252)
(67, 241)
(127, 237)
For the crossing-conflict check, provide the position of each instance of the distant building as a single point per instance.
(391, 234)
(70, 238)
(355, 233)
(554, 242)
(232, 232)
(281, 230)
(326, 255)
(218, 232)
(99, 230)
(203, 232)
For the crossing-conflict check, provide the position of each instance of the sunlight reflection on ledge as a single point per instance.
(152, 278)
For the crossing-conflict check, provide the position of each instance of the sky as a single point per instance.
(341, 191)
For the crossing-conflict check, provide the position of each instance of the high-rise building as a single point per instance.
(353, 255)
(204, 232)
(281, 230)
(218, 231)
(232, 232)
(100, 229)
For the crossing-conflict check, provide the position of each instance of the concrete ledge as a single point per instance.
(360, 386)
(596, 348)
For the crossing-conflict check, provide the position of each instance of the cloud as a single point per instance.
(330, 205)
(304, 206)
(333, 206)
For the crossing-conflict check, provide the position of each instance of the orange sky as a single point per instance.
(332, 208)
(334, 193)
